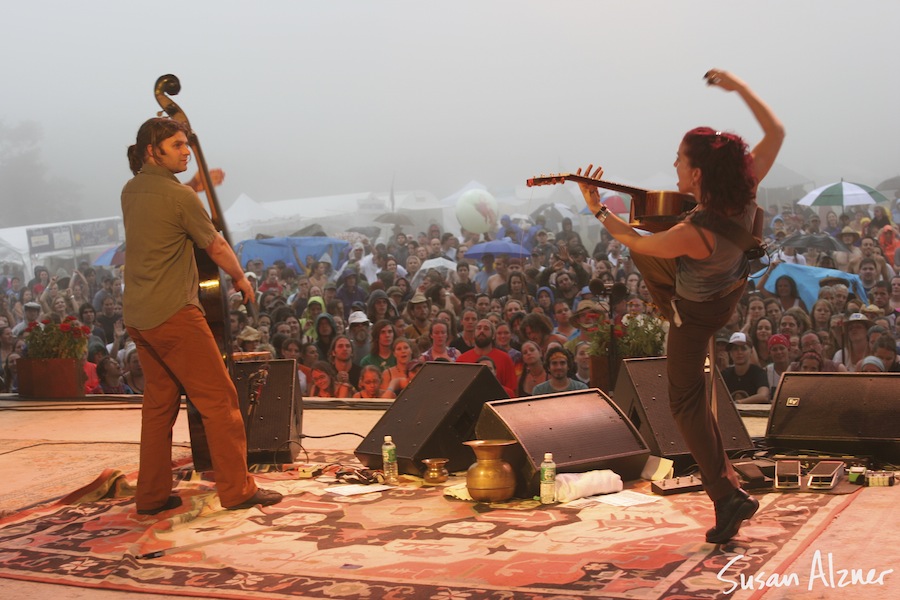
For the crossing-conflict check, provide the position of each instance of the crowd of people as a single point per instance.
(346, 325)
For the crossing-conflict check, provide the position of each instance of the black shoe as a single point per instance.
(172, 502)
(730, 512)
(261, 497)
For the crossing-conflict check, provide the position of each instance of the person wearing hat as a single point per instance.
(890, 245)
(779, 346)
(746, 382)
(348, 290)
(543, 246)
(850, 238)
(248, 339)
(359, 324)
(871, 364)
(32, 311)
(855, 344)
(418, 310)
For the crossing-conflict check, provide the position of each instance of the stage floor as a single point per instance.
(862, 536)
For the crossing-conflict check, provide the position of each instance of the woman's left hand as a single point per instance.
(591, 193)
(216, 176)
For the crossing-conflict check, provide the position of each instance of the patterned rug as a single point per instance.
(43, 471)
(410, 542)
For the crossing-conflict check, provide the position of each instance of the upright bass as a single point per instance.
(212, 293)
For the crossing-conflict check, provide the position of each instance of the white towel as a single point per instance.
(572, 486)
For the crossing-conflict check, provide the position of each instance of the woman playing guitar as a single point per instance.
(698, 290)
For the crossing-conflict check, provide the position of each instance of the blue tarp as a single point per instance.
(292, 250)
(808, 278)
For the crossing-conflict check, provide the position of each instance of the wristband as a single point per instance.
(602, 213)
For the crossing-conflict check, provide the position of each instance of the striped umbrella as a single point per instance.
(843, 193)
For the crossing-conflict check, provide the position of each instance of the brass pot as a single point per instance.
(490, 478)
(435, 471)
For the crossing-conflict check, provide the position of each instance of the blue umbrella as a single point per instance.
(114, 256)
(498, 248)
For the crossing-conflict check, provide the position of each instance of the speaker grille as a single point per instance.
(433, 416)
(642, 392)
(583, 429)
(852, 413)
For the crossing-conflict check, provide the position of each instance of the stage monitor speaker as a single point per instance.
(271, 404)
(838, 413)
(583, 429)
(433, 416)
(642, 392)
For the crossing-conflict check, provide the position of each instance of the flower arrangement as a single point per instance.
(48, 339)
(636, 336)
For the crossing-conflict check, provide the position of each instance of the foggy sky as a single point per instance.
(300, 99)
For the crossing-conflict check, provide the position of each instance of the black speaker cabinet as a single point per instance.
(583, 429)
(642, 392)
(433, 416)
(272, 407)
(840, 413)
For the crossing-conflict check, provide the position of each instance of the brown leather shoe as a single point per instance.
(730, 513)
(261, 498)
(172, 502)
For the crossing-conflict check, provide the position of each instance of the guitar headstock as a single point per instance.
(552, 179)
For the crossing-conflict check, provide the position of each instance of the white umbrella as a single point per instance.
(844, 194)
(443, 265)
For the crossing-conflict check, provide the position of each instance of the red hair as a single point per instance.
(728, 184)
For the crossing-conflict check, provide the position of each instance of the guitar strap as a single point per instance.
(752, 246)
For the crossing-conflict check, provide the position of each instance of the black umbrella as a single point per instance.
(394, 218)
(889, 184)
(820, 241)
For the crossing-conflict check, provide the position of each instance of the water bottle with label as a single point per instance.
(389, 461)
(548, 479)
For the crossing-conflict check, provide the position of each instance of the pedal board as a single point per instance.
(787, 475)
(752, 474)
(879, 478)
(825, 475)
(677, 485)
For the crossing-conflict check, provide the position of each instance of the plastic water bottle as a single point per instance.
(548, 479)
(389, 461)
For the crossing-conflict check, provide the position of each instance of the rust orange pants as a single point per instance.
(181, 354)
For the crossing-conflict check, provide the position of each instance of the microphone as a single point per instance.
(598, 288)
(618, 293)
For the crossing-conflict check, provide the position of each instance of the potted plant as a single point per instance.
(52, 365)
(636, 336)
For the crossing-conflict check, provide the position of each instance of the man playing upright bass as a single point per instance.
(164, 221)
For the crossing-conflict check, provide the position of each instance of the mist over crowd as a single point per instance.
(304, 100)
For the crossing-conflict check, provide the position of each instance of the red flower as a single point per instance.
(85, 330)
(71, 318)
(65, 326)
(31, 326)
(46, 321)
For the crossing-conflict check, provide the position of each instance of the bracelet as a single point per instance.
(602, 213)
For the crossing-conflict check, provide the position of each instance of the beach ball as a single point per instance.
(476, 211)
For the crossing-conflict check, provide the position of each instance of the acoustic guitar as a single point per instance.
(652, 210)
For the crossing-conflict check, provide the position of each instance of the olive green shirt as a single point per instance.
(164, 220)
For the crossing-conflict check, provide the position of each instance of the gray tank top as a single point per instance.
(706, 279)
